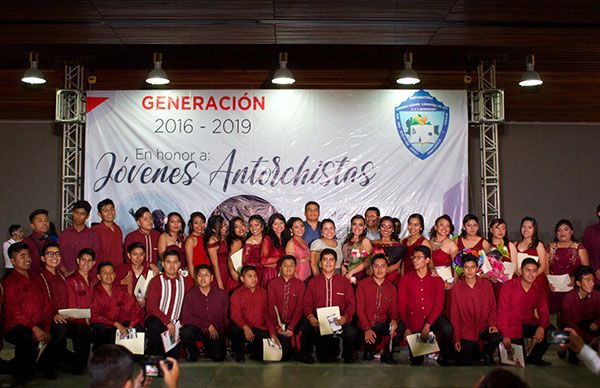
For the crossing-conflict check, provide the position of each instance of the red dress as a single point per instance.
(199, 252)
(302, 254)
(389, 250)
(222, 258)
(562, 261)
(441, 258)
(271, 271)
(541, 279)
(477, 247)
(251, 256)
(407, 264)
(178, 249)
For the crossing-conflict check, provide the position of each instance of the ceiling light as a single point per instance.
(33, 75)
(408, 76)
(157, 76)
(283, 76)
(530, 77)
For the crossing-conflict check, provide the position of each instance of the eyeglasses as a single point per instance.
(52, 254)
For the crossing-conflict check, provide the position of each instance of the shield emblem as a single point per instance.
(422, 122)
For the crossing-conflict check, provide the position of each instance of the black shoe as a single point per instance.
(562, 354)
(488, 360)
(308, 359)
(368, 356)
(240, 358)
(388, 360)
(443, 361)
(191, 358)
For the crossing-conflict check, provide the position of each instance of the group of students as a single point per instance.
(386, 289)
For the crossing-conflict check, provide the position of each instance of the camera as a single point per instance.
(558, 337)
(152, 366)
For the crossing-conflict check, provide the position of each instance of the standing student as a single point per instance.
(16, 234)
(326, 290)
(298, 248)
(216, 245)
(40, 225)
(238, 232)
(285, 295)
(415, 238)
(194, 245)
(523, 312)
(249, 318)
(173, 237)
(204, 317)
(273, 247)
(77, 237)
(470, 235)
(531, 245)
(111, 235)
(390, 247)
(312, 225)
(420, 305)
(147, 236)
(377, 310)
(252, 245)
(327, 241)
(444, 248)
(356, 249)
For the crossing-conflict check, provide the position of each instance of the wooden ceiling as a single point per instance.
(332, 44)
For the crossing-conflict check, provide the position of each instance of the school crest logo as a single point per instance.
(422, 123)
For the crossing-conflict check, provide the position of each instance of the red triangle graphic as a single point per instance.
(93, 102)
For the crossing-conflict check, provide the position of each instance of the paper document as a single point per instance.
(445, 273)
(134, 341)
(281, 324)
(327, 317)
(168, 341)
(420, 348)
(75, 313)
(271, 352)
(517, 357)
(236, 260)
(522, 256)
(509, 269)
(486, 266)
(560, 282)
(41, 348)
(142, 285)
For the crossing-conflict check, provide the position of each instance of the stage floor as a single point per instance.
(361, 374)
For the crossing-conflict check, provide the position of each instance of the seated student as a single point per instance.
(112, 366)
(80, 291)
(420, 305)
(523, 312)
(147, 236)
(249, 319)
(204, 316)
(377, 310)
(326, 290)
(111, 235)
(112, 308)
(75, 238)
(40, 226)
(473, 314)
(286, 294)
(581, 307)
(28, 317)
(164, 300)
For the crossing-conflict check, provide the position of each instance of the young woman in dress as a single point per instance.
(238, 232)
(327, 240)
(298, 248)
(530, 245)
(415, 226)
(251, 253)
(499, 242)
(356, 250)
(565, 254)
(444, 249)
(173, 236)
(195, 252)
(389, 245)
(273, 247)
(470, 236)
(214, 240)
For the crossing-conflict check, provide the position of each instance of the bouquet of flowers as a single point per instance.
(495, 260)
(357, 256)
(462, 255)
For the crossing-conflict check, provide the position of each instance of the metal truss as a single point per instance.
(487, 111)
(70, 110)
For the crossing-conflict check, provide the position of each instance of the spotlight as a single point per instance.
(530, 77)
(157, 76)
(408, 76)
(33, 75)
(283, 76)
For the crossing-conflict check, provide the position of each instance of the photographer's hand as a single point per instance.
(171, 376)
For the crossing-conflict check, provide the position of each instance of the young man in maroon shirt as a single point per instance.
(77, 237)
(40, 225)
(164, 300)
(147, 236)
(326, 290)
(285, 297)
(377, 310)
(113, 308)
(473, 315)
(249, 319)
(28, 317)
(523, 312)
(111, 235)
(420, 305)
(581, 308)
(204, 316)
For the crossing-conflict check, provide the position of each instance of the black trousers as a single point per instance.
(26, 351)
(443, 331)
(539, 349)
(382, 330)
(81, 335)
(470, 351)
(238, 342)
(154, 328)
(328, 346)
(215, 347)
(102, 335)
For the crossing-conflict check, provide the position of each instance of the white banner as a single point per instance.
(231, 151)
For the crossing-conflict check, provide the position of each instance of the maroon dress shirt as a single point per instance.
(250, 308)
(576, 310)
(149, 241)
(517, 307)
(375, 303)
(335, 291)
(420, 300)
(26, 303)
(118, 307)
(472, 310)
(71, 242)
(288, 296)
(111, 244)
(35, 243)
(204, 310)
